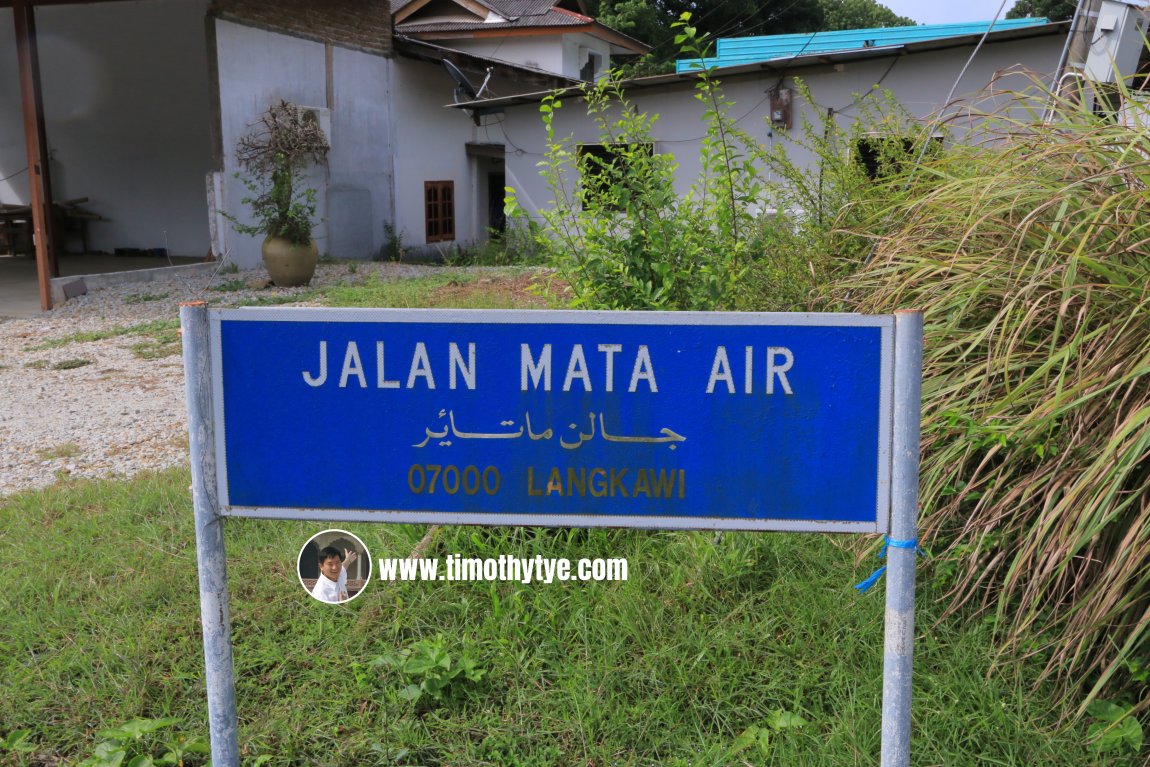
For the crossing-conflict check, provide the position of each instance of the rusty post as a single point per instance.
(35, 138)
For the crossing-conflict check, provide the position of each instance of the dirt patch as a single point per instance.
(529, 290)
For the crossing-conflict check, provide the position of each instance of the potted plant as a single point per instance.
(274, 155)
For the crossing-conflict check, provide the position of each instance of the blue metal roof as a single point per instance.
(735, 51)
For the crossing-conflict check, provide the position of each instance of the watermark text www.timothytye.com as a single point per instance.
(503, 568)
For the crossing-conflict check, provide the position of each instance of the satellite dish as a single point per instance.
(464, 90)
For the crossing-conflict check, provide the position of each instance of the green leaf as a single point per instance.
(138, 728)
(198, 745)
(419, 664)
(1132, 733)
(16, 741)
(471, 670)
(1117, 728)
(785, 720)
(1105, 737)
(745, 740)
(1138, 672)
(109, 754)
(1105, 710)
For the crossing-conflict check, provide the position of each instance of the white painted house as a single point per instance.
(144, 101)
(439, 152)
(553, 35)
(917, 65)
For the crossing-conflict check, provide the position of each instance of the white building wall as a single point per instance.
(126, 107)
(258, 68)
(360, 197)
(575, 50)
(431, 145)
(920, 82)
(560, 54)
(539, 52)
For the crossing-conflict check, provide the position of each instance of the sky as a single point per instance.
(947, 11)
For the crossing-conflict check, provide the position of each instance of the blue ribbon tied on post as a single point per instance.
(866, 585)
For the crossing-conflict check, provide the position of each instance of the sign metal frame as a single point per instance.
(530, 318)
(896, 513)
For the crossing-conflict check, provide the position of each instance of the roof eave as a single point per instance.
(619, 42)
(788, 64)
(477, 7)
(430, 52)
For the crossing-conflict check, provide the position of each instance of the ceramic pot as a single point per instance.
(289, 265)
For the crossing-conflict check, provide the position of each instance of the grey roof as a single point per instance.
(520, 14)
(521, 7)
(542, 20)
(505, 8)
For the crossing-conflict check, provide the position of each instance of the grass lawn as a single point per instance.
(719, 650)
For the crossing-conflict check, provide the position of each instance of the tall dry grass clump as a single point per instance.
(1031, 260)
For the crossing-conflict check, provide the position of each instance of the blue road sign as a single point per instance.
(637, 419)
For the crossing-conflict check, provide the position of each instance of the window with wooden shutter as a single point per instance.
(439, 210)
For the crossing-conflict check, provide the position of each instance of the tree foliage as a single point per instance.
(859, 14)
(1055, 10)
(274, 155)
(652, 22)
(756, 230)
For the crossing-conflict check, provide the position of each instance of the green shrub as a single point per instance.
(1029, 260)
(514, 246)
(134, 743)
(392, 249)
(756, 231)
(431, 671)
(618, 232)
(821, 218)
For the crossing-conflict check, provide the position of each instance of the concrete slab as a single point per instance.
(20, 296)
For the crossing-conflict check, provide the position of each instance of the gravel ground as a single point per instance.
(101, 408)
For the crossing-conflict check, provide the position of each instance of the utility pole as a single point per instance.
(1105, 44)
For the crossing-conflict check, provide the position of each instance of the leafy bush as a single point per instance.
(514, 246)
(821, 218)
(619, 233)
(756, 231)
(432, 671)
(392, 248)
(1116, 728)
(133, 744)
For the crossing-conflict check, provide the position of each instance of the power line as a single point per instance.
(938, 116)
(14, 175)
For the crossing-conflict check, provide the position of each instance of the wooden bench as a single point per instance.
(16, 230)
(71, 221)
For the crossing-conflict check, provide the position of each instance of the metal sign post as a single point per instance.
(659, 420)
(902, 547)
(215, 615)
